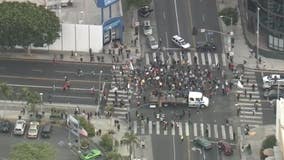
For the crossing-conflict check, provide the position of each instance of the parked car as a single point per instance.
(91, 154)
(20, 127)
(272, 94)
(203, 143)
(225, 147)
(66, 3)
(152, 42)
(5, 126)
(206, 47)
(33, 129)
(271, 77)
(147, 28)
(145, 11)
(180, 42)
(46, 131)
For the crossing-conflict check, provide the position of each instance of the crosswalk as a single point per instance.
(250, 112)
(186, 58)
(210, 131)
(117, 97)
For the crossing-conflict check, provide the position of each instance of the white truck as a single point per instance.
(194, 99)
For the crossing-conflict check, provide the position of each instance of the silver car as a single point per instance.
(152, 42)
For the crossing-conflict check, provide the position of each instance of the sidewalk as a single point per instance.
(241, 49)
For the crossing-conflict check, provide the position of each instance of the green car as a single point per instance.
(91, 154)
(202, 143)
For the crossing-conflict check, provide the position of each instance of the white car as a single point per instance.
(20, 127)
(180, 42)
(271, 78)
(147, 28)
(152, 42)
(33, 130)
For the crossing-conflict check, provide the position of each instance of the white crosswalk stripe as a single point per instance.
(135, 127)
(209, 130)
(204, 58)
(202, 129)
(216, 59)
(209, 59)
(157, 127)
(180, 128)
(173, 129)
(186, 129)
(231, 133)
(195, 129)
(224, 59)
(223, 132)
(196, 55)
(189, 58)
(150, 127)
(203, 61)
(216, 131)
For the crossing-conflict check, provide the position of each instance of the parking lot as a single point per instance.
(58, 139)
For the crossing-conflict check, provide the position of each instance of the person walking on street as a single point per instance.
(238, 97)
(250, 96)
(256, 105)
(238, 111)
(245, 92)
(253, 87)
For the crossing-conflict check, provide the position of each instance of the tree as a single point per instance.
(6, 90)
(269, 142)
(229, 13)
(32, 151)
(25, 24)
(130, 139)
(113, 155)
(32, 98)
(107, 142)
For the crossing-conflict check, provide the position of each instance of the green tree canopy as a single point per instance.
(32, 151)
(6, 90)
(130, 139)
(32, 98)
(25, 24)
(107, 142)
(229, 13)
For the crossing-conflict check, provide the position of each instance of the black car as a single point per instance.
(5, 126)
(206, 47)
(145, 11)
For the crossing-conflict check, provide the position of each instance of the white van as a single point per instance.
(196, 99)
(20, 127)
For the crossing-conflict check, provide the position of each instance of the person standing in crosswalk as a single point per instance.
(181, 138)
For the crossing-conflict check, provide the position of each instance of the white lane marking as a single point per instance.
(195, 129)
(251, 116)
(147, 61)
(186, 129)
(74, 97)
(164, 15)
(150, 127)
(224, 59)
(223, 132)
(66, 72)
(251, 121)
(175, 3)
(231, 133)
(209, 58)
(216, 131)
(216, 59)
(157, 127)
(180, 55)
(135, 127)
(202, 129)
(180, 128)
(209, 130)
(47, 87)
(203, 61)
(203, 17)
(189, 58)
(36, 70)
(196, 55)
(173, 128)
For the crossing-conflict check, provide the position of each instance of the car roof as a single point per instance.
(146, 23)
(177, 37)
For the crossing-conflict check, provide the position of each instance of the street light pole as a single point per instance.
(257, 34)
(41, 101)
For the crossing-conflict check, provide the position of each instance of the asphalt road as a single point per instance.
(42, 76)
(179, 17)
(58, 135)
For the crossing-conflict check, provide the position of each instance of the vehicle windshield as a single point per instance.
(32, 130)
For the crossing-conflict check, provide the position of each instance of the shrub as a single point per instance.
(87, 126)
(269, 142)
(107, 142)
